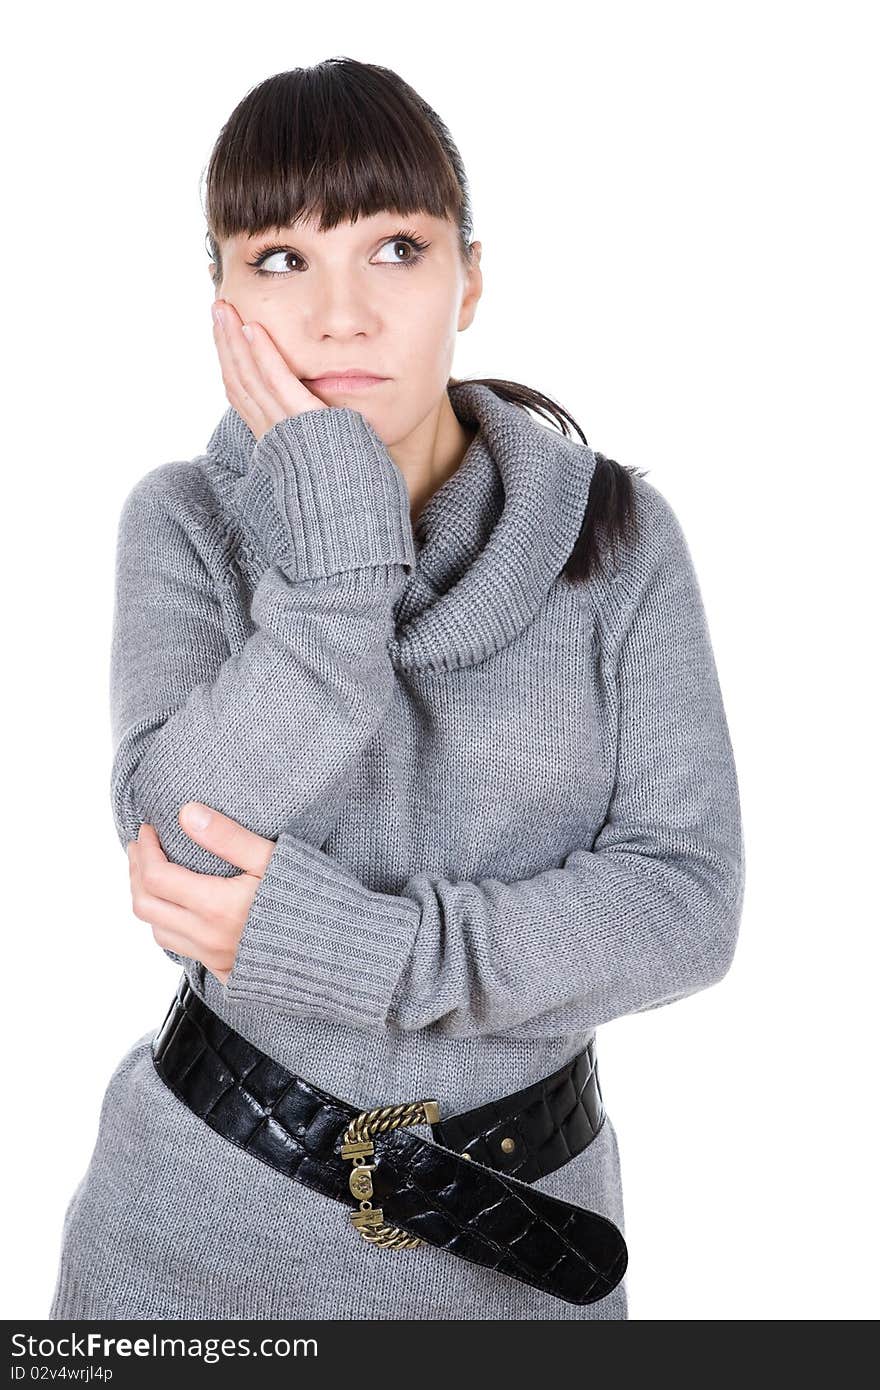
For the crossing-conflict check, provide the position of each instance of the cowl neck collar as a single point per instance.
(489, 542)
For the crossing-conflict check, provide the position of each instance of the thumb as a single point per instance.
(224, 837)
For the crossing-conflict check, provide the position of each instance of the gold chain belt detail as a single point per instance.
(357, 1146)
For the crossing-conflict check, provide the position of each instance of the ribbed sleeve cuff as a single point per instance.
(318, 943)
(322, 495)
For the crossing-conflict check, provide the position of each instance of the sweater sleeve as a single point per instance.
(645, 915)
(267, 734)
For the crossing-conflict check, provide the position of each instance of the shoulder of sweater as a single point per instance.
(178, 493)
(615, 591)
(173, 517)
(179, 483)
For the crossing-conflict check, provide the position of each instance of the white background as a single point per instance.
(678, 210)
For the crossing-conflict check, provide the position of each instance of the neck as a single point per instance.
(431, 453)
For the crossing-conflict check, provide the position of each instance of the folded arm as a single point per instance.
(267, 734)
(647, 914)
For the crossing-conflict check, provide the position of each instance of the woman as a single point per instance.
(442, 676)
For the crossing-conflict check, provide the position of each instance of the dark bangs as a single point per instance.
(333, 143)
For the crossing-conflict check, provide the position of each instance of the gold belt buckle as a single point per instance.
(358, 1146)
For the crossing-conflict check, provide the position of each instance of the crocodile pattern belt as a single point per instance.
(467, 1192)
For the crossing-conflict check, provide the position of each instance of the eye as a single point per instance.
(267, 254)
(416, 245)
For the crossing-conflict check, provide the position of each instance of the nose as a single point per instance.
(342, 309)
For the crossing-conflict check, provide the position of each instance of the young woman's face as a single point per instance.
(361, 296)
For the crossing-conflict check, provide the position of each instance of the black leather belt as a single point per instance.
(466, 1193)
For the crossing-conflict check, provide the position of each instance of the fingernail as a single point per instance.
(196, 815)
(247, 331)
(218, 315)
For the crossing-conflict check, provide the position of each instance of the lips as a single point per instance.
(343, 382)
(333, 375)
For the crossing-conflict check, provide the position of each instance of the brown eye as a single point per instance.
(417, 249)
(270, 253)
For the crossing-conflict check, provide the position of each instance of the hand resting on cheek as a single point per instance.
(259, 384)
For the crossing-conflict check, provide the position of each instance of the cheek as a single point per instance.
(282, 326)
(286, 338)
(429, 329)
(252, 301)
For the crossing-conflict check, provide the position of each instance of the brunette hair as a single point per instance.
(346, 139)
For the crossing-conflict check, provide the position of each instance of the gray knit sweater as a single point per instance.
(506, 811)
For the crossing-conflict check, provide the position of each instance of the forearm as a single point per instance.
(267, 734)
(605, 934)
(272, 738)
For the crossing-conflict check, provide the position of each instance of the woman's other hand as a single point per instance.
(198, 915)
(259, 384)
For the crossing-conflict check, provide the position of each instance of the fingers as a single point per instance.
(221, 901)
(227, 839)
(152, 873)
(173, 926)
(245, 387)
(285, 386)
(259, 383)
(207, 934)
(174, 935)
(157, 884)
